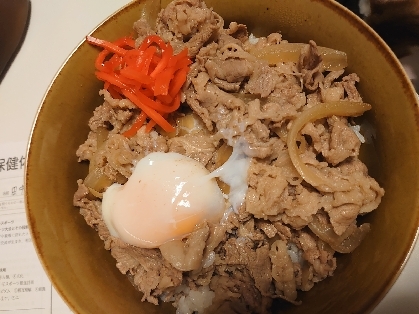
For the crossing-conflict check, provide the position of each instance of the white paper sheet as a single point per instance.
(24, 286)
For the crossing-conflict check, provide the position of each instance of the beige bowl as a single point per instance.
(84, 273)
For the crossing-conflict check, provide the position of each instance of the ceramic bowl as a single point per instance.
(84, 273)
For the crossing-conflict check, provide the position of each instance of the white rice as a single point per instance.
(295, 254)
(195, 301)
(252, 39)
(357, 130)
(209, 260)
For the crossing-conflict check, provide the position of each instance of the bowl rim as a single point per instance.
(351, 17)
(410, 90)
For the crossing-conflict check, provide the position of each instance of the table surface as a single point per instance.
(56, 28)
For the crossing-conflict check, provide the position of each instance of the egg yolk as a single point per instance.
(167, 195)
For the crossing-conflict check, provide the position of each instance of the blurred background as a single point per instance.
(397, 22)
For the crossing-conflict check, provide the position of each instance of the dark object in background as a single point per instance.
(396, 21)
(13, 23)
(352, 5)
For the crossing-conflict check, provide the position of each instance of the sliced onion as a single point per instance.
(247, 97)
(187, 124)
(101, 136)
(150, 10)
(333, 60)
(345, 243)
(97, 180)
(354, 239)
(221, 156)
(95, 193)
(190, 123)
(323, 110)
(188, 255)
(323, 231)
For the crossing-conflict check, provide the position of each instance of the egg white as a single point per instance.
(167, 195)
